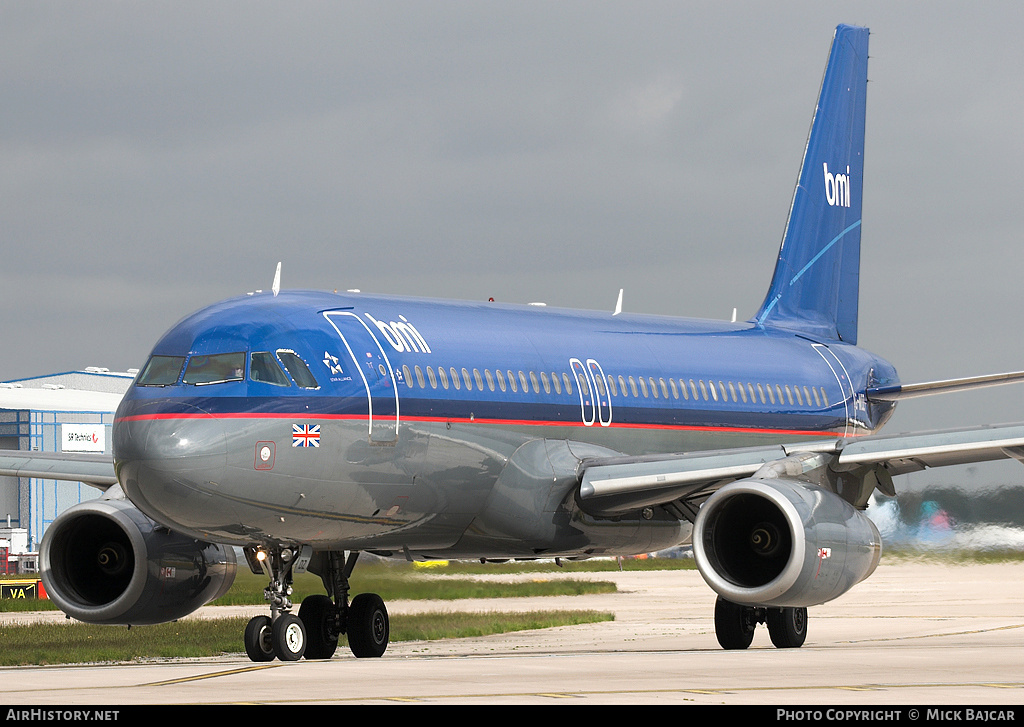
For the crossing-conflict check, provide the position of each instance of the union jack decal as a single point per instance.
(305, 435)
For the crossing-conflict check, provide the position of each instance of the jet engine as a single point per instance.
(775, 542)
(105, 562)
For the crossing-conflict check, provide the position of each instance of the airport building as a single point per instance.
(65, 412)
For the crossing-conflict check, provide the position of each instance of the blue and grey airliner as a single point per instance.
(304, 428)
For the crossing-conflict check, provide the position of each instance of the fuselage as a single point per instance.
(359, 422)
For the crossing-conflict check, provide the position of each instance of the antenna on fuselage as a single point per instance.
(276, 287)
(618, 304)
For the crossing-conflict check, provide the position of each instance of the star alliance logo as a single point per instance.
(331, 362)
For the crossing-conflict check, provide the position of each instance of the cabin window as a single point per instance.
(545, 382)
(215, 369)
(535, 382)
(611, 385)
(408, 375)
(643, 387)
(622, 386)
(161, 371)
(264, 367)
(599, 382)
(501, 379)
(522, 381)
(419, 377)
(432, 377)
(467, 380)
(556, 383)
(512, 382)
(443, 376)
(568, 385)
(824, 396)
(799, 397)
(456, 382)
(490, 379)
(675, 389)
(632, 387)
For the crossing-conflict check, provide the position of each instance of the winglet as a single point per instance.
(277, 280)
(618, 304)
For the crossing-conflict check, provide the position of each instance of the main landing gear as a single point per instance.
(735, 623)
(321, 620)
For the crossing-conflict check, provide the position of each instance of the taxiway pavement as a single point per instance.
(915, 633)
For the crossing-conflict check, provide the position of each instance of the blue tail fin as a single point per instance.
(816, 282)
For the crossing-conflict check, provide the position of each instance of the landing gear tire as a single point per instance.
(288, 637)
(319, 616)
(258, 644)
(787, 627)
(368, 626)
(734, 624)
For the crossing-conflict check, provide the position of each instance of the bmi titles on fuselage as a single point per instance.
(401, 334)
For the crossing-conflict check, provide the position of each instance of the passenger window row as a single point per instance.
(699, 389)
(498, 380)
(617, 386)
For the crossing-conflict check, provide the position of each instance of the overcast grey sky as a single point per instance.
(159, 156)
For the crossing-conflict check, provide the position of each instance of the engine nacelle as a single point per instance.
(105, 562)
(775, 542)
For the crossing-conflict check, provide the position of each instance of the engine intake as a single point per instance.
(775, 542)
(105, 562)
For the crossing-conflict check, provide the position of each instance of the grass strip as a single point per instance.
(78, 643)
(389, 581)
(400, 583)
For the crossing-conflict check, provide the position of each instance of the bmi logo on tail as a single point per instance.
(837, 187)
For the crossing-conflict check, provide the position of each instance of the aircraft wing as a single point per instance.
(617, 485)
(96, 470)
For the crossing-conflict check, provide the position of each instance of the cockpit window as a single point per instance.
(215, 369)
(298, 369)
(161, 371)
(264, 367)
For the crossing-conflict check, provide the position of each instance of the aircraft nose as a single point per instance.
(169, 464)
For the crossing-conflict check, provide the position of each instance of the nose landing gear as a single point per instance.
(314, 633)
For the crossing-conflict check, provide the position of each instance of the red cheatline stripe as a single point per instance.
(306, 416)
